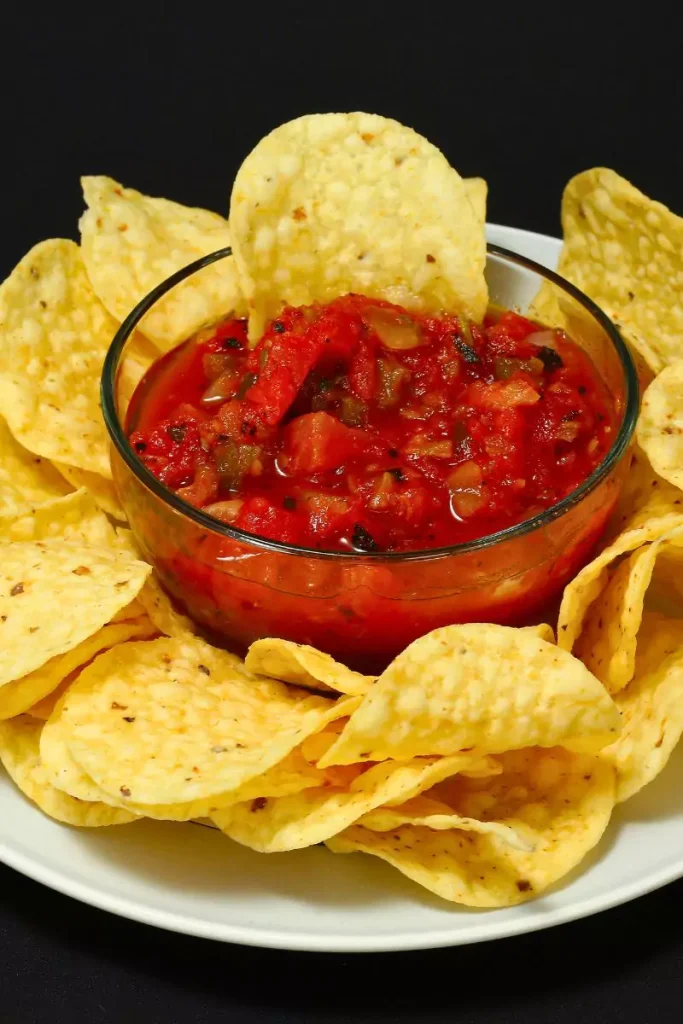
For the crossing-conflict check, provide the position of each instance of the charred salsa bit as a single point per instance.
(482, 425)
(465, 350)
(175, 432)
(550, 358)
(361, 539)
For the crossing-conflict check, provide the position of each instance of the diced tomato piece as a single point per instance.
(289, 350)
(317, 441)
(260, 516)
(411, 503)
(328, 513)
(171, 451)
(237, 420)
(283, 373)
(516, 326)
(301, 340)
(503, 394)
(339, 335)
(509, 336)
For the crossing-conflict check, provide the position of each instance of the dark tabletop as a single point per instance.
(168, 99)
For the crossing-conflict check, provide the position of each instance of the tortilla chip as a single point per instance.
(54, 335)
(651, 706)
(54, 595)
(657, 517)
(139, 354)
(660, 426)
(154, 598)
(564, 801)
(99, 487)
(19, 753)
(291, 775)
(304, 666)
(543, 631)
(175, 720)
(644, 494)
(491, 688)
(334, 203)
(625, 251)
(427, 812)
(26, 480)
(22, 694)
(477, 192)
(607, 646)
(132, 242)
(310, 817)
(74, 517)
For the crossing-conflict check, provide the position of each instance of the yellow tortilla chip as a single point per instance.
(651, 706)
(554, 307)
(291, 775)
(652, 521)
(44, 708)
(665, 593)
(134, 610)
(304, 666)
(74, 517)
(53, 595)
(154, 598)
(607, 646)
(138, 356)
(429, 813)
(62, 771)
(22, 694)
(99, 487)
(563, 800)
(65, 775)
(20, 754)
(543, 631)
(625, 251)
(132, 242)
(140, 628)
(660, 426)
(310, 817)
(26, 480)
(644, 494)
(335, 203)
(477, 191)
(491, 688)
(54, 335)
(174, 720)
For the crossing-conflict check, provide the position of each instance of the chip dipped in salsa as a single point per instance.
(358, 426)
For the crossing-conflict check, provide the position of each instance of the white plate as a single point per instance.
(191, 879)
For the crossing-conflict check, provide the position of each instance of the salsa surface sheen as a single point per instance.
(357, 426)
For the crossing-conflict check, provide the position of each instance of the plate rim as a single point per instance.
(482, 929)
(313, 942)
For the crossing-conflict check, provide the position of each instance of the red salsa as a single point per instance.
(357, 426)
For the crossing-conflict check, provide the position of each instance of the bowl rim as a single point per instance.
(202, 519)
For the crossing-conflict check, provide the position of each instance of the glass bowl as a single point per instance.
(365, 608)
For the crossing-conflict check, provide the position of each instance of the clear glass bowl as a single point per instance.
(365, 608)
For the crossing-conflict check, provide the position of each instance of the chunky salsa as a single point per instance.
(357, 426)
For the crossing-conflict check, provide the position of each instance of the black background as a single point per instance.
(168, 98)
